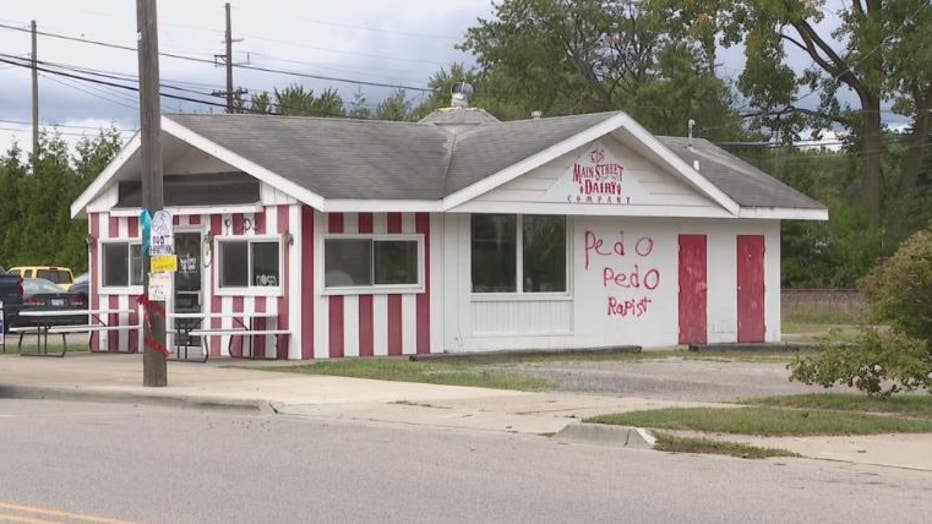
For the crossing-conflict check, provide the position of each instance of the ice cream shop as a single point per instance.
(314, 238)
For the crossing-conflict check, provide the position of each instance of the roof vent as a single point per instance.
(461, 93)
(537, 114)
(690, 125)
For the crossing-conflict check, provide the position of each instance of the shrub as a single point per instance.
(878, 363)
(899, 289)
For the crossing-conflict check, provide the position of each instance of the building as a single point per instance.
(456, 233)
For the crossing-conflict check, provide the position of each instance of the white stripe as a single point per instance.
(379, 223)
(226, 307)
(271, 220)
(123, 319)
(321, 309)
(103, 233)
(183, 220)
(271, 305)
(249, 307)
(207, 283)
(380, 325)
(350, 222)
(408, 324)
(351, 326)
(249, 224)
(295, 302)
(407, 223)
(436, 282)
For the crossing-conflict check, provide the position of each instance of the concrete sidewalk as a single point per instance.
(117, 378)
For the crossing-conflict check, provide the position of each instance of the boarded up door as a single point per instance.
(692, 294)
(750, 288)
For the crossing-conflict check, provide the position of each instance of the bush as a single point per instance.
(878, 363)
(899, 289)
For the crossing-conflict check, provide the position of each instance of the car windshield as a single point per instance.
(55, 275)
(38, 286)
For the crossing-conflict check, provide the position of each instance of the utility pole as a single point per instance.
(35, 101)
(229, 42)
(154, 365)
(227, 59)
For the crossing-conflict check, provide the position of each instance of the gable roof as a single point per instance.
(449, 156)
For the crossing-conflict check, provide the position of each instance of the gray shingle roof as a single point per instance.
(445, 152)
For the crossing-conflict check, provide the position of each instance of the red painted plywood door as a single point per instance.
(750, 288)
(692, 294)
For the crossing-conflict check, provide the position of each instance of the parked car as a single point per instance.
(80, 286)
(62, 276)
(11, 295)
(44, 295)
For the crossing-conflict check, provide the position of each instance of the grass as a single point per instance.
(912, 406)
(766, 421)
(676, 444)
(11, 348)
(824, 315)
(452, 374)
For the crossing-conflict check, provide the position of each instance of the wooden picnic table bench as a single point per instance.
(184, 331)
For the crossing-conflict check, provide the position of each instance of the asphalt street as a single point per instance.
(62, 461)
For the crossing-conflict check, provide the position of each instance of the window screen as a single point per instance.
(544, 253)
(115, 265)
(347, 262)
(234, 266)
(395, 261)
(494, 253)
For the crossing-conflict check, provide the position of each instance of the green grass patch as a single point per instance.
(824, 315)
(403, 370)
(913, 406)
(676, 444)
(766, 421)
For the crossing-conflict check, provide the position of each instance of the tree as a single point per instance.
(567, 57)
(395, 107)
(880, 51)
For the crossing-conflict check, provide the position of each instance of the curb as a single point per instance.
(754, 346)
(199, 402)
(505, 353)
(606, 434)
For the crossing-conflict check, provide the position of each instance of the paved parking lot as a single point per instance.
(712, 380)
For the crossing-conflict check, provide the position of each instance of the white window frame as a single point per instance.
(375, 289)
(129, 289)
(519, 294)
(249, 290)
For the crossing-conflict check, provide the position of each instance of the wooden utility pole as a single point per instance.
(229, 42)
(154, 365)
(35, 101)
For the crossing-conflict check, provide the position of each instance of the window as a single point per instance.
(519, 254)
(363, 261)
(122, 264)
(249, 263)
(54, 275)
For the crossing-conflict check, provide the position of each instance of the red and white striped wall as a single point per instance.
(378, 324)
(275, 220)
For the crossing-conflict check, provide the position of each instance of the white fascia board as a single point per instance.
(783, 213)
(193, 210)
(631, 210)
(621, 120)
(381, 206)
(99, 183)
(248, 166)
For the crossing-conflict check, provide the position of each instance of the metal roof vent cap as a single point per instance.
(536, 114)
(460, 94)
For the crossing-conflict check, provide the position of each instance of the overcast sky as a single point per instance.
(383, 41)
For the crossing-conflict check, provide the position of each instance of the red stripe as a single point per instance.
(113, 229)
(94, 222)
(238, 224)
(282, 346)
(176, 220)
(133, 321)
(132, 226)
(394, 325)
(364, 222)
(393, 222)
(258, 223)
(237, 346)
(113, 340)
(194, 220)
(307, 283)
(216, 225)
(422, 225)
(336, 302)
(366, 322)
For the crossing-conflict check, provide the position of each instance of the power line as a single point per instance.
(211, 62)
(68, 126)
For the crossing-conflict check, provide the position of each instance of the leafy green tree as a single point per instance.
(395, 107)
(359, 107)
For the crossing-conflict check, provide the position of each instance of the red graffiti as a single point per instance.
(595, 245)
(633, 279)
(644, 246)
(628, 308)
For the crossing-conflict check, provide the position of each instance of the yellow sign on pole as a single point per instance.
(165, 264)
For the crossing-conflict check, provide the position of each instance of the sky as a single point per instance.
(382, 41)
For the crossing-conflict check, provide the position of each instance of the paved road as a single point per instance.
(669, 378)
(160, 465)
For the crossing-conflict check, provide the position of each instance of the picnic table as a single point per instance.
(47, 322)
(247, 326)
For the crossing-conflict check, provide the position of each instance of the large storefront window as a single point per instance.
(518, 254)
(371, 262)
(122, 264)
(249, 263)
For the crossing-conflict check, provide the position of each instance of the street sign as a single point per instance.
(164, 264)
(163, 236)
